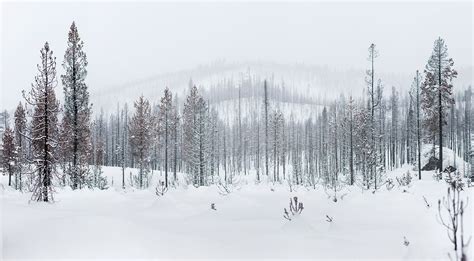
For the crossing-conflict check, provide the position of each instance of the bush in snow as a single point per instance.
(438, 176)
(161, 189)
(389, 184)
(96, 179)
(295, 209)
(404, 180)
(226, 187)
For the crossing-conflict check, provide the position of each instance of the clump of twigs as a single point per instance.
(227, 187)
(453, 220)
(161, 189)
(389, 184)
(404, 180)
(329, 219)
(428, 205)
(405, 241)
(295, 209)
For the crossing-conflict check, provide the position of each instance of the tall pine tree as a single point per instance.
(44, 124)
(437, 90)
(77, 110)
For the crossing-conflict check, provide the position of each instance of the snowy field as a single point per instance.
(247, 223)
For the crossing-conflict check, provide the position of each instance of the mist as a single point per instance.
(127, 41)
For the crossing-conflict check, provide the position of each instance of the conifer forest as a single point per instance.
(237, 130)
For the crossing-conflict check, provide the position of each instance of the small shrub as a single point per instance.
(389, 184)
(295, 209)
(161, 189)
(404, 180)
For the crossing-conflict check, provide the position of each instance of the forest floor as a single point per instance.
(247, 223)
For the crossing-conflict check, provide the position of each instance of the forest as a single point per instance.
(164, 144)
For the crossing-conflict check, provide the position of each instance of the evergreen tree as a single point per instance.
(436, 91)
(195, 120)
(77, 110)
(20, 142)
(10, 155)
(44, 124)
(140, 127)
(165, 121)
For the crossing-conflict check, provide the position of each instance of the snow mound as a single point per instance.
(449, 157)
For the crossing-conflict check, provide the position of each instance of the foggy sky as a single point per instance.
(125, 41)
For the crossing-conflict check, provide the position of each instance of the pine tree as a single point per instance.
(20, 142)
(165, 121)
(436, 91)
(195, 120)
(417, 81)
(265, 104)
(351, 107)
(44, 124)
(10, 155)
(394, 135)
(77, 110)
(175, 132)
(124, 142)
(140, 127)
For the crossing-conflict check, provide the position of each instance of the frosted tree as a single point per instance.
(98, 149)
(124, 142)
(175, 132)
(4, 120)
(416, 83)
(20, 143)
(436, 91)
(44, 124)
(77, 110)
(165, 122)
(351, 107)
(277, 126)
(9, 154)
(394, 134)
(195, 144)
(140, 129)
(324, 156)
(265, 105)
(364, 147)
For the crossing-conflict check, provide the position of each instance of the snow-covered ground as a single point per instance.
(248, 223)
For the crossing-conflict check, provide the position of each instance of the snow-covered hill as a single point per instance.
(311, 81)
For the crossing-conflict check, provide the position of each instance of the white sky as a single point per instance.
(126, 41)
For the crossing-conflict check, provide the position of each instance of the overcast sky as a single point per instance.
(125, 41)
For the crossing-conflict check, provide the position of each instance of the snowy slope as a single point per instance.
(248, 223)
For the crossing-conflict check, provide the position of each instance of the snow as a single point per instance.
(248, 223)
(449, 157)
